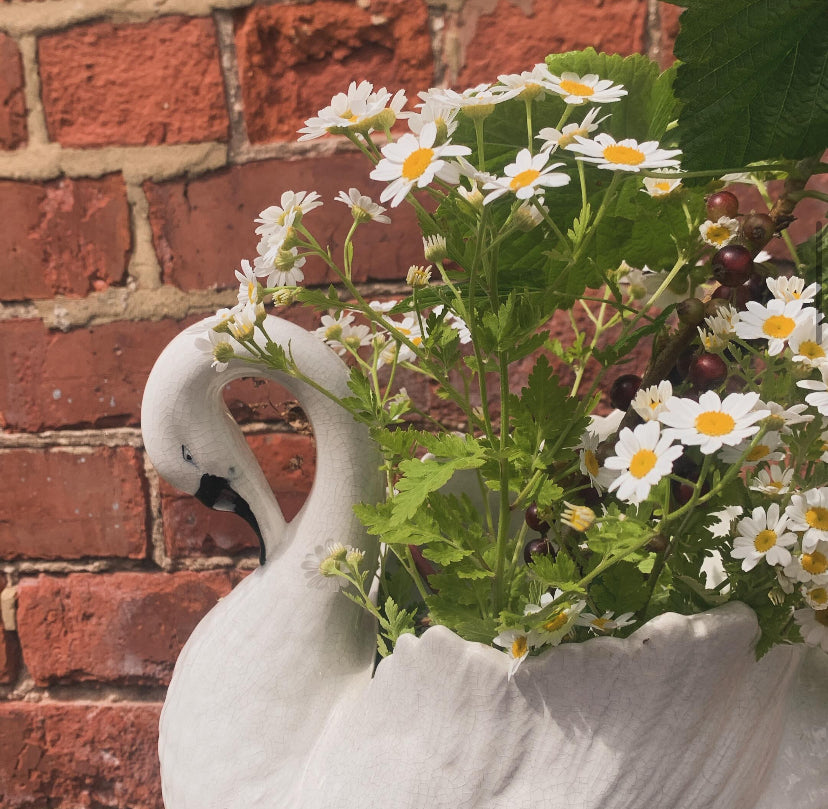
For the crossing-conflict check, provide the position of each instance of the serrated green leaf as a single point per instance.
(560, 572)
(754, 81)
(621, 588)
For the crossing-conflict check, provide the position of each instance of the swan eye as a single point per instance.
(187, 455)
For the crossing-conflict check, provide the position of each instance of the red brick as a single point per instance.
(63, 504)
(87, 755)
(203, 228)
(142, 84)
(190, 528)
(91, 377)
(66, 237)
(669, 21)
(12, 103)
(119, 627)
(516, 36)
(294, 58)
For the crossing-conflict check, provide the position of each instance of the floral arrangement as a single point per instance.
(668, 455)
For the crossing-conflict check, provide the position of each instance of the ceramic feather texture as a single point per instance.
(275, 703)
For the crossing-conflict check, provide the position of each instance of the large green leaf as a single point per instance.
(753, 80)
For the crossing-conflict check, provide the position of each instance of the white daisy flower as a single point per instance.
(600, 477)
(606, 622)
(792, 289)
(818, 399)
(477, 101)
(545, 600)
(338, 331)
(280, 267)
(418, 276)
(320, 566)
(824, 447)
(649, 402)
(711, 423)
(719, 233)
(763, 536)
(457, 323)
(414, 161)
(623, 155)
(517, 645)
(219, 346)
(816, 596)
(360, 108)
(810, 567)
(772, 480)
(530, 84)
(658, 187)
(434, 247)
(813, 626)
(276, 219)
(579, 518)
(724, 519)
(363, 208)
(560, 139)
(605, 426)
(766, 451)
(723, 323)
(808, 512)
(249, 288)
(527, 177)
(789, 416)
(643, 456)
(433, 110)
(409, 327)
(774, 322)
(243, 324)
(809, 342)
(577, 89)
(552, 630)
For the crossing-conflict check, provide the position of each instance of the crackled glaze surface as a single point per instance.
(274, 702)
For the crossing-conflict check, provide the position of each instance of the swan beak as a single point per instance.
(217, 493)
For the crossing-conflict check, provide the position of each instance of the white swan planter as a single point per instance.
(275, 703)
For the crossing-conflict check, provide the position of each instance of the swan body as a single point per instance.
(275, 703)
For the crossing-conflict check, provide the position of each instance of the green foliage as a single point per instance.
(753, 80)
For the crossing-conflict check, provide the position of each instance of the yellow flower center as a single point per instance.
(663, 186)
(758, 452)
(333, 332)
(814, 563)
(519, 646)
(642, 462)
(600, 623)
(575, 88)
(416, 163)
(765, 540)
(718, 234)
(811, 350)
(251, 290)
(714, 422)
(819, 595)
(524, 178)
(591, 463)
(778, 326)
(556, 622)
(623, 155)
(817, 517)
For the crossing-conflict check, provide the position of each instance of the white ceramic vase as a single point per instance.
(275, 701)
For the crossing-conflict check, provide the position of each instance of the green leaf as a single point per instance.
(621, 588)
(753, 79)
(560, 572)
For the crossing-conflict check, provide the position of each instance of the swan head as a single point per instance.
(193, 442)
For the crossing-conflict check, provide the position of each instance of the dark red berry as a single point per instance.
(534, 520)
(757, 230)
(678, 372)
(623, 390)
(741, 295)
(657, 544)
(732, 265)
(424, 567)
(690, 311)
(723, 294)
(707, 371)
(722, 203)
(537, 547)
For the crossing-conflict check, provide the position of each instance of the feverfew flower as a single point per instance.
(763, 536)
(643, 456)
(813, 626)
(808, 512)
(792, 289)
(809, 343)
(580, 518)
(276, 219)
(363, 208)
(774, 322)
(600, 477)
(220, 346)
(658, 187)
(624, 155)
(719, 233)
(649, 402)
(434, 248)
(517, 645)
(772, 480)
(818, 399)
(589, 88)
(530, 85)
(249, 288)
(418, 276)
(433, 110)
(764, 452)
(711, 423)
(281, 268)
(810, 567)
(816, 596)
(787, 416)
(359, 109)
(526, 177)
(606, 622)
(414, 161)
(724, 519)
(322, 565)
(561, 139)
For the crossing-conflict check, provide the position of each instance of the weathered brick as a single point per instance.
(77, 755)
(515, 36)
(294, 58)
(118, 627)
(190, 528)
(91, 377)
(65, 237)
(148, 83)
(202, 228)
(12, 103)
(62, 504)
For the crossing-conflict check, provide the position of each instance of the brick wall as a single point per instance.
(135, 150)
